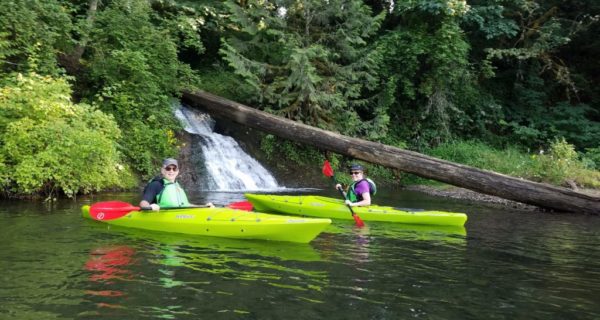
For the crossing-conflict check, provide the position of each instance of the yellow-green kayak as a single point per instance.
(324, 207)
(222, 222)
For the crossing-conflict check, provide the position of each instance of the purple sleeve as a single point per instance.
(362, 187)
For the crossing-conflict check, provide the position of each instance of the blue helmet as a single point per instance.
(356, 167)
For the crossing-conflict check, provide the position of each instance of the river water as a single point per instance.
(504, 264)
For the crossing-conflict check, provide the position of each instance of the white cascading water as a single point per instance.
(229, 168)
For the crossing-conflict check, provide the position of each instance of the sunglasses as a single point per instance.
(171, 169)
(355, 172)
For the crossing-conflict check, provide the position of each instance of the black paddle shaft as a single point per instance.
(344, 196)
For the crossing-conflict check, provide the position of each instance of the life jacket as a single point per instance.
(352, 196)
(171, 195)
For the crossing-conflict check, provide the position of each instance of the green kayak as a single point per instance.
(323, 207)
(222, 222)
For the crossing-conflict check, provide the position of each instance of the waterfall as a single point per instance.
(228, 167)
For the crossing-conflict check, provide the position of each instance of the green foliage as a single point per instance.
(544, 31)
(293, 153)
(223, 83)
(477, 154)
(308, 61)
(535, 83)
(560, 159)
(591, 158)
(37, 30)
(533, 122)
(557, 166)
(490, 21)
(439, 8)
(426, 56)
(183, 22)
(561, 165)
(6, 49)
(50, 145)
(133, 73)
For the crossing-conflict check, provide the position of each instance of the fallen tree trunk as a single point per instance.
(483, 181)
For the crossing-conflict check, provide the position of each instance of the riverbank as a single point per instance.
(466, 194)
(453, 192)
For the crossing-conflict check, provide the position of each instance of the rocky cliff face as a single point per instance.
(189, 176)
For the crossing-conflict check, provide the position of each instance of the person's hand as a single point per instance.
(338, 186)
(155, 207)
(210, 205)
(348, 203)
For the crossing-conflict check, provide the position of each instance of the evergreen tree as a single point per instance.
(308, 60)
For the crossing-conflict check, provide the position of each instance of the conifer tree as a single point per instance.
(308, 60)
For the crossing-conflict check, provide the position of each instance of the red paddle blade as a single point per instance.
(359, 222)
(241, 205)
(327, 171)
(109, 210)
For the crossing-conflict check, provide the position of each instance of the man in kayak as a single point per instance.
(165, 191)
(360, 191)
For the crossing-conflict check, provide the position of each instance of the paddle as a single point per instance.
(328, 171)
(109, 210)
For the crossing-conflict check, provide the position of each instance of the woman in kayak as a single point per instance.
(165, 191)
(360, 191)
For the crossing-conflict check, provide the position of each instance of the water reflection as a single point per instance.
(448, 234)
(109, 263)
(204, 267)
(387, 265)
(234, 259)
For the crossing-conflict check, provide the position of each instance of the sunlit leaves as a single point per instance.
(50, 145)
(37, 30)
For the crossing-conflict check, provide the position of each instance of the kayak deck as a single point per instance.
(324, 207)
(222, 222)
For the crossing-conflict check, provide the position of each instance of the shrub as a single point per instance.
(591, 158)
(49, 145)
(558, 165)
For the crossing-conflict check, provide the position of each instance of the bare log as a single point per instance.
(483, 181)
